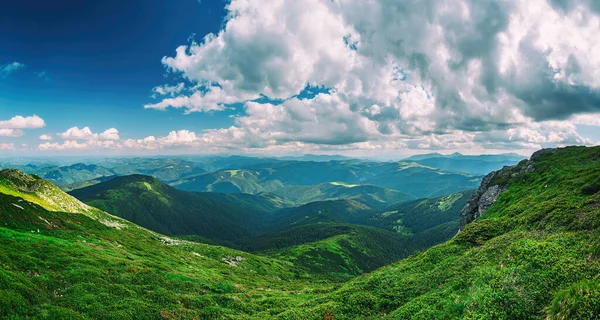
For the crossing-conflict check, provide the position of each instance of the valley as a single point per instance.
(132, 246)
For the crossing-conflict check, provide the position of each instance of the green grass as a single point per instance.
(69, 266)
(533, 255)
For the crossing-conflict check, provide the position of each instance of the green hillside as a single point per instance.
(420, 215)
(228, 181)
(533, 254)
(355, 250)
(58, 265)
(369, 195)
(343, 238)
(152, 204)
(344, 211)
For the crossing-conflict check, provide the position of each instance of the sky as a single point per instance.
(276, 77)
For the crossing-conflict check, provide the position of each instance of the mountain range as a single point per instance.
(524, 244)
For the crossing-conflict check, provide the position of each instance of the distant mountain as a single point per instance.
(407, 177)
(76, 173)
(153, 204)
(316, 158)
(164, 169)
(229, 181)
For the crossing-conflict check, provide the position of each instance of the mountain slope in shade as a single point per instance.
(532, 254)
(152, 204)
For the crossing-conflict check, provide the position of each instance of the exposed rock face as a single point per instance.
(482, 199)
(493, 185)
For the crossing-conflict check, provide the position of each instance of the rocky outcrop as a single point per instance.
(493, 185)
(482, 199)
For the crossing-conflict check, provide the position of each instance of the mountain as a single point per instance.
(344, 211)
(39, 191)
(340, 239)
(317, 157)
(407, 177)
(67, 175)
(422, 214)
(473, 165)
(153, 204)
(164, 169)
(75, 265)
(237, 174)
(529, 249)
(228, 181)
(369, 195)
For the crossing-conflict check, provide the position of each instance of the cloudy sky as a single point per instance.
(356, 77)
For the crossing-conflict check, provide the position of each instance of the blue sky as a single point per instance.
(94, 63)
(292, 77)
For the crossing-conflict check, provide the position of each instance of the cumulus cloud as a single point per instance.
(75, 133)
(11, 133)
(20, 122)
(46, 137)
(86, 133)
(447, 74)
(79, 139)
(110, 134)
(173, 139)
(76, 145)
(10, 68)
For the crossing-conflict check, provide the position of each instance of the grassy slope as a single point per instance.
(355, 250)
(70, 266)
(152, 204)
(534, 254)
(320, 237)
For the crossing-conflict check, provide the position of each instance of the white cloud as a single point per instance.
(167, 90)
(81, 139)
(86, 133)
(46, 137)
(213, 100)
(76, 145)
(453, 74)
(173, 139)
(10, 68)
(110, 134)
(20, 122)
(11, 133)
(75, 133)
